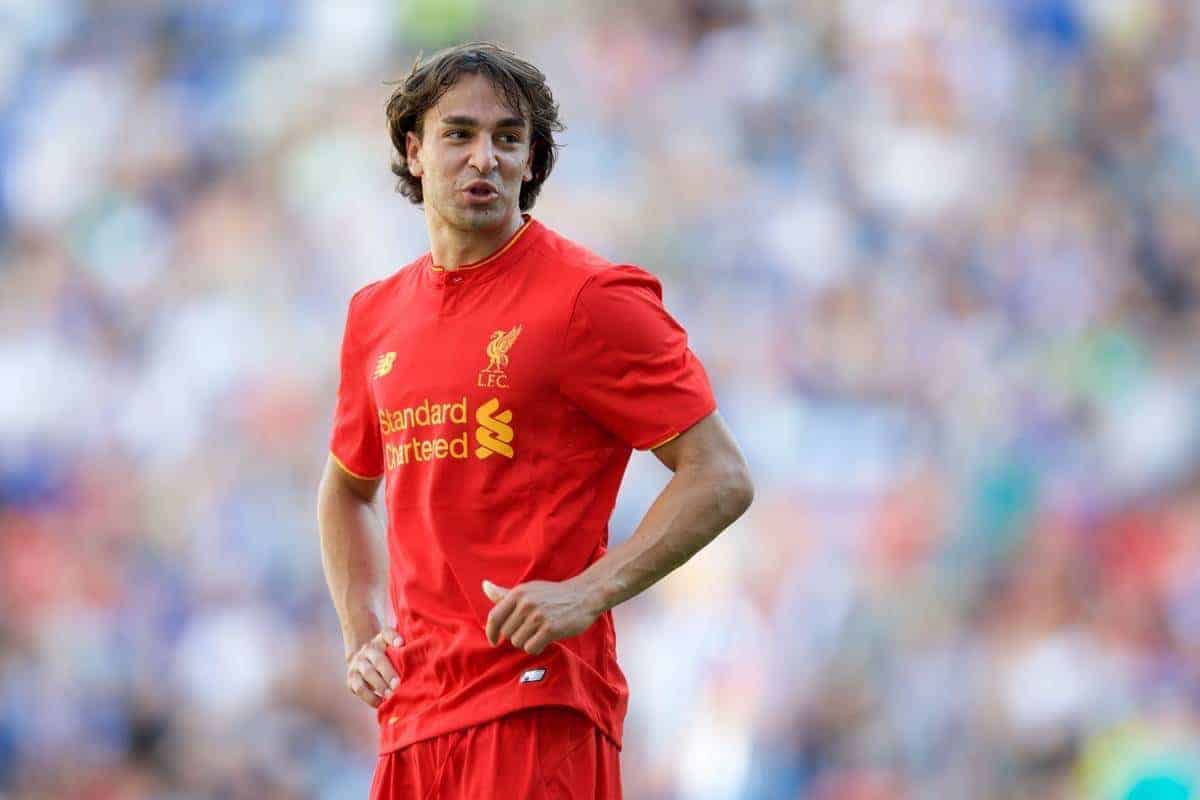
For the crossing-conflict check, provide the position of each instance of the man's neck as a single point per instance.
(451, 247)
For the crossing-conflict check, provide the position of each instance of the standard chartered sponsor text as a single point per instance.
(424, 414)
(402, 423)
(424, 450)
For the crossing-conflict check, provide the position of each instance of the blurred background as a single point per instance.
(940, 257)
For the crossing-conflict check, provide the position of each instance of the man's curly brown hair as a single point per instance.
(522, 85)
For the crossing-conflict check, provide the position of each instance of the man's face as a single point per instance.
(472, 157)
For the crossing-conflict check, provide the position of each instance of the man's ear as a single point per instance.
(527, 175)
(412, 153)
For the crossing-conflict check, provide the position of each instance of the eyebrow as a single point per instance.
(471, 122)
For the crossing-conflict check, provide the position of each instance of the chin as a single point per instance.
(480, 218)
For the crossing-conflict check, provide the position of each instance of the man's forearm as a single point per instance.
(354, 557)
(687, 515)
(711, 488)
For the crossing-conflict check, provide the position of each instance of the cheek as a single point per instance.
(436, 174)
(516, 166)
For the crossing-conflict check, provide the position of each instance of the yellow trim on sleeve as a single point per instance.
(670, 438)
(351, 472)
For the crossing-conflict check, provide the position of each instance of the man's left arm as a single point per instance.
(710, 489)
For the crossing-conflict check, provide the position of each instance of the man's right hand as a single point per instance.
(370, 676)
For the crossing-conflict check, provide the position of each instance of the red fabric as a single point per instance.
(539, 754)
(356, 443)
(503, 462)
(626, 361)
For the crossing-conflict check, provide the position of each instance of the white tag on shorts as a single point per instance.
(533, 675)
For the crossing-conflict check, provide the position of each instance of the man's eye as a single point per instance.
(509, 138)
(456, 134)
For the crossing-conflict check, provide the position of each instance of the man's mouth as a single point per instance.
(481, 191)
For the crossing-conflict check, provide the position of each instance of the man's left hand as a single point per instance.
(534, 614)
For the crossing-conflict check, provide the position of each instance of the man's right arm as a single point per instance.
(354, 556)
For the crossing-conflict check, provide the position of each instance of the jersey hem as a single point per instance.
(390, 742)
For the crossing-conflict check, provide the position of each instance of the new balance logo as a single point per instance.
(494, 433)
(384, 365)
(533, 675)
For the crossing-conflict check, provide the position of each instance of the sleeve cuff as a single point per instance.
(351, 472)
(709, 409)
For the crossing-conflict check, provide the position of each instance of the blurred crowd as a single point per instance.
(940, 257)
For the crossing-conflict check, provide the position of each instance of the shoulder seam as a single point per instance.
(562, 344)
(354, 300)
(362, 290)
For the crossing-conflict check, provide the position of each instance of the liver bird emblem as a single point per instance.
(498, 347)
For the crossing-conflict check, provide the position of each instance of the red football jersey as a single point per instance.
(501, 401)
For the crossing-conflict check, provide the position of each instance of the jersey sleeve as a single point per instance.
(355, 441)
(627, 363)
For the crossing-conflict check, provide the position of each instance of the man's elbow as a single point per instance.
(734, 491)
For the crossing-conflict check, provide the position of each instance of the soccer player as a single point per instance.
(497, 385)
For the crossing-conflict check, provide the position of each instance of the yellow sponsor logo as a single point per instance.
(425, 413)
(494, 434)
(384, 365)
(396, 455)
(403, 426)
(493, 375)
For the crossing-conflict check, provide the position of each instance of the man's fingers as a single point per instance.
(540, 641)
(495, 619)
(498, 616)
(363, 692)
(390, 637)
(383, 666)
(524, 633)
(370, 674)
(494, 593)
(517, 620)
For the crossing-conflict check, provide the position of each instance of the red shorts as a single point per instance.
(546, 753)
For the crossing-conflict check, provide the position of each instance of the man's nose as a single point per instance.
(483, 155)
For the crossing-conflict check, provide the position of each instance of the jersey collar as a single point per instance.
(509, 252)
